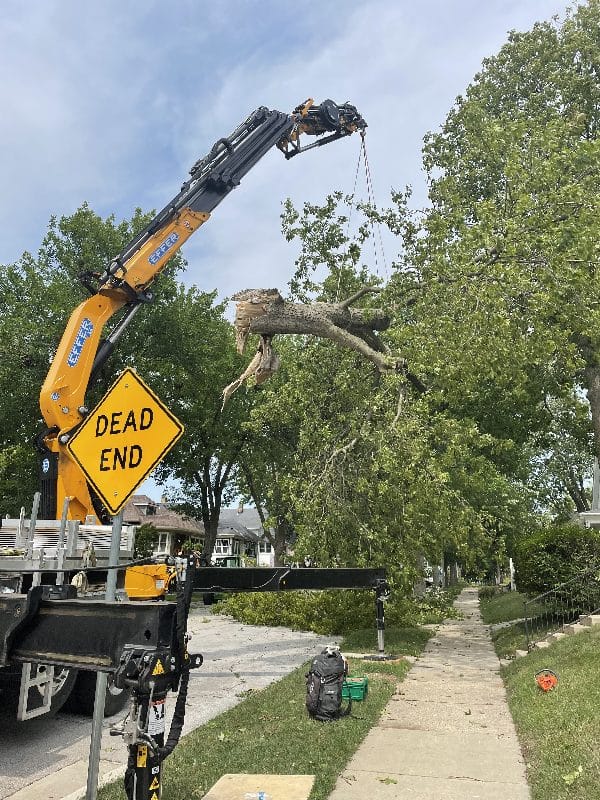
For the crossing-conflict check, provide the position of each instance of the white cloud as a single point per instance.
(112, 102)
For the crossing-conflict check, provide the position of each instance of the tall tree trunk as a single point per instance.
(211, 527)
(211, 496)
(576, 491)
(282, 535)
(592, 381)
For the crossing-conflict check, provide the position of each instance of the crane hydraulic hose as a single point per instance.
(184, 599)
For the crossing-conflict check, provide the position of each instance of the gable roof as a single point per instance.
(162, 517)
(235, 519)
(244, 524)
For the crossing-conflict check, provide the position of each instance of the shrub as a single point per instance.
(554, 555)
(332, 612)
(487, 592)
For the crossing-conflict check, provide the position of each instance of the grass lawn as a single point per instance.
(560, 731)
(508, 606)
(402, 641)
(510, 639)
(270, 731)
(503, 607)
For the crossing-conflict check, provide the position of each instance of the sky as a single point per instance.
(111, 102)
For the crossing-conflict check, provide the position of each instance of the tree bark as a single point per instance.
(592, 381)
(576, 491)
(282, 536)
(211, 527)
(265, 312)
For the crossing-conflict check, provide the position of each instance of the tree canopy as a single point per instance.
(492, 309)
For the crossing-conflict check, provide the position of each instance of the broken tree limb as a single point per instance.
(357, 295)
(263, 365)
(266, 313)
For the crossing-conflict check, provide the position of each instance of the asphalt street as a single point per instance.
(48, 757)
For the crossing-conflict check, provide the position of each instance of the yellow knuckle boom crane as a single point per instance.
(142, 646)
(124, 285)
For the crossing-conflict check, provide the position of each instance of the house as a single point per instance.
(174, 529)
(237, 523)
(591, 519)
(240, 535)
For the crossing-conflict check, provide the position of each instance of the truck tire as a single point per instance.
(83, 695)
(64, 681)
(62, 686)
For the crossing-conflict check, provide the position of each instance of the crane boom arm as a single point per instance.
(124, 285)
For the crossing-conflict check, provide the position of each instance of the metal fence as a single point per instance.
(562, 605)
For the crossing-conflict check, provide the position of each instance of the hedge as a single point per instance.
(554, 555)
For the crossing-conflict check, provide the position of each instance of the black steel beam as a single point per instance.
(92, 634)
(82, 633)
(278, 579)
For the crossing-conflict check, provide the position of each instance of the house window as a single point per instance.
(222, 547)
(161, 545)
(265, 547)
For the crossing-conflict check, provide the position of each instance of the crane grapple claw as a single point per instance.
(327, 119)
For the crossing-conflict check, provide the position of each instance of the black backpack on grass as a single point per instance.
(324, 683)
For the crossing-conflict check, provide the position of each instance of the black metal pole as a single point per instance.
(143, 780)
(380, 620)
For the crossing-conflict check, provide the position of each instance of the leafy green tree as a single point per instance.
(364, 469)
(496, 309)
(508, 252)
(185, 350)
(38, 294)
(180, 344)
(146, 538)
(271, 430)
(18, 479)
(562, 463)
(494, 285)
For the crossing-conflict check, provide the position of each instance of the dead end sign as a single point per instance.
(123, 439)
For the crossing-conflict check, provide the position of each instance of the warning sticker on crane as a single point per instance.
(158, 668)
(156, 717)
(142, 755)
(121, 441)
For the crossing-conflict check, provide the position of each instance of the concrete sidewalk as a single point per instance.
(447, 733)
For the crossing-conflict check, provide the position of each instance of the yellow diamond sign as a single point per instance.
(123, 439)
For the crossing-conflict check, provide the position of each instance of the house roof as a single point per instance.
(161, 516)
(245, 524)
(243, 520)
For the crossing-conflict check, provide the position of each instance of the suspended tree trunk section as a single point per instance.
(266, 313)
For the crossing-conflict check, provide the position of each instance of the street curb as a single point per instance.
(104, 780)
